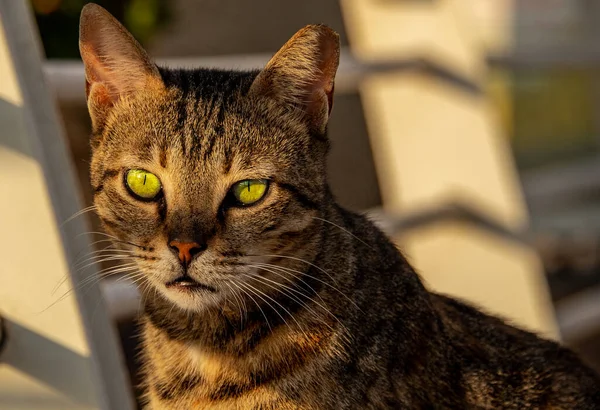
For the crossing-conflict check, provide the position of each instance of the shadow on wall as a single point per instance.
(39, 358)
(8, 113)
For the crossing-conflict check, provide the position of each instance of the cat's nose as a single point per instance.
(186, 251)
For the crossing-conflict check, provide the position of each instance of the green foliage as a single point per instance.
(142, 17)
(58, 21)
(549, 114)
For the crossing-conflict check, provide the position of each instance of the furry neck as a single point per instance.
(347, 244)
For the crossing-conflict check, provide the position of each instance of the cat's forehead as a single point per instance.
(201, 132)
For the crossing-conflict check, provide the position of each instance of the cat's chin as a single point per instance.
(191, 298)
(187, 284)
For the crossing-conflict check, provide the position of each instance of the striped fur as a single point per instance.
(305, 305)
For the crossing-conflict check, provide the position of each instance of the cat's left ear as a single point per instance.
(302, 74)
(116, 66)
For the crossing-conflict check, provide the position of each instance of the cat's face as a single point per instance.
(205, 177)
(198, 165)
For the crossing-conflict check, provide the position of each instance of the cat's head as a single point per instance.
(206, 177)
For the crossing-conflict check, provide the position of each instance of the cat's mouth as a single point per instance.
(186, 283)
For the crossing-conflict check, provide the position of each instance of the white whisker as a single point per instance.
(275, 310)
(344, 230)
(280, 288)
(255, 302)
(300, 260)
(78, 213)
(296, 291)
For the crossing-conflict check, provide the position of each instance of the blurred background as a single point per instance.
(469, 130)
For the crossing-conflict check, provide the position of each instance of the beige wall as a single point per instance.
(33, 264)
(435, 141)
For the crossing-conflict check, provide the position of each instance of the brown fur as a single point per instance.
(298, 303)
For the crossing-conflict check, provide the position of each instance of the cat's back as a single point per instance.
(506, 367)
(497, 365)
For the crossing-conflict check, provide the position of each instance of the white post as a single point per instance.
(61, 349)
(436, 141)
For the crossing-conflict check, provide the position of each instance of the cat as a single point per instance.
(259, 290)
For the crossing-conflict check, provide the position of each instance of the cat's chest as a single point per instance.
(279, 373)
(256, 400)
(212, 368)
(193, 378)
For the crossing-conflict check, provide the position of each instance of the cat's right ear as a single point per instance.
(301, 74)
(115, 64)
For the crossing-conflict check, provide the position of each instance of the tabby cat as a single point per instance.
(259, 291)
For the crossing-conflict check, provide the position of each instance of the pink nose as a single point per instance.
(186, 250)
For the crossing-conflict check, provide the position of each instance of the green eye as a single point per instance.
(249, 191)
(143, 184)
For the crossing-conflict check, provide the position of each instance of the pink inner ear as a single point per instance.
(95, 73)
(321, 87)
(119, 74)
(328, 63)
(319, 94)
(330, 98)
(101, 95)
